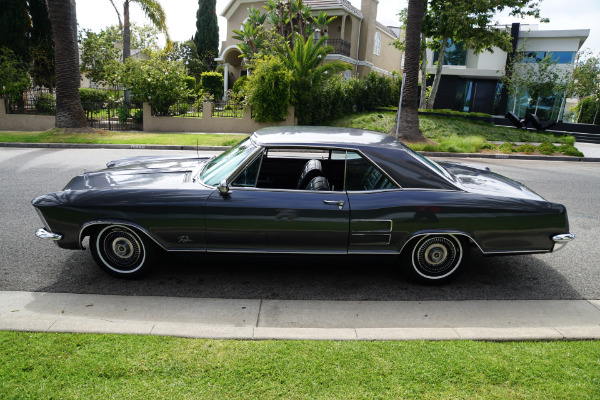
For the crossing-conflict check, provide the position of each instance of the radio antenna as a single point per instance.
(197, 148)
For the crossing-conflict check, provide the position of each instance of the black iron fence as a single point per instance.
(114, 115)
(39, 101)
(183, 109)
(228, 109)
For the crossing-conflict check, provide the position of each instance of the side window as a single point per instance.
(249, 176)
(361, 174)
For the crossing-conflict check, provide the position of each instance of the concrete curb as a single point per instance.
(223, 148)
(254, 319)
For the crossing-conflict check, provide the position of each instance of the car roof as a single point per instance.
(324, 136)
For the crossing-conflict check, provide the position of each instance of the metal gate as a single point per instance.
(114, 116)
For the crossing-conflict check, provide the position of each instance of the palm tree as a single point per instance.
(408, 129)
(153, 11)
(305, 61)
(69, 112)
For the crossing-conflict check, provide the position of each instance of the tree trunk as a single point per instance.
(126, 43)
(438, 73)
(69, 112)
(126, 31)
(423, 101)
(408, 129)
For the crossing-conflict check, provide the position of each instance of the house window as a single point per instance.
(456, 54)
(560, 57)
(377, 44)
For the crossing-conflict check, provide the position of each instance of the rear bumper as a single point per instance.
(561, 240)
(42, 233)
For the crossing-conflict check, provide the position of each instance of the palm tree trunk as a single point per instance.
(438, 73)
(126, 31)
(126, 43)
(408, 129)
(69, 112)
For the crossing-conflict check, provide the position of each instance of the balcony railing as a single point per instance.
(340, 46)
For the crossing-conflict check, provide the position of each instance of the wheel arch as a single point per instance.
(443, 232)
(89, 227)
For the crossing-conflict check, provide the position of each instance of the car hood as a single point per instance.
(141, 172)
(481, 180)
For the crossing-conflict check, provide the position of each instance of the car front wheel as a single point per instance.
(121, 251)
(435, 258)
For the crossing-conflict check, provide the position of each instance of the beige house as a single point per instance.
(356, 36)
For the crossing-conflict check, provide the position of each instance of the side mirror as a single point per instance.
(223, 187)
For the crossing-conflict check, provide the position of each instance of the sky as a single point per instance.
(181, 16)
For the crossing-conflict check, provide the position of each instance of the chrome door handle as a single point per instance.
(339, 203)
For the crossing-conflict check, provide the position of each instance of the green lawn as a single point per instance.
(450, 134)
(83, 366)
(57, 136)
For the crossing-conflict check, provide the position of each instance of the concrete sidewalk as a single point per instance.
(295, 319)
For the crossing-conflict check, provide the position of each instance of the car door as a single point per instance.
(250, 218)
(374, 203)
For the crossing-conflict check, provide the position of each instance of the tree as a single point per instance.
(13, 75)
(186, 52)
(99, 50)
(586, 80)
(542, 79)
(152, 10)
(158, 80)
(305, 62)
(97, 53)
(69, 112)
(471, 22)
(14, 28)
(207, 31)
(407, 119)
(41, 45)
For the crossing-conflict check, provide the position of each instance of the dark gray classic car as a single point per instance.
(308, 190)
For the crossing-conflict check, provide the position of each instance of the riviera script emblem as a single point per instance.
(184, 239)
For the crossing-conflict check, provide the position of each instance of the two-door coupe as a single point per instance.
(305, 190)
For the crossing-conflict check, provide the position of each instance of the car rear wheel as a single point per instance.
(121, 251)
(435, 259)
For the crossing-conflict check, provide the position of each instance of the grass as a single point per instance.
(450, 134)
(58, 136)
(73, 366)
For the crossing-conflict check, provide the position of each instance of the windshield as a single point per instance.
(222, 166)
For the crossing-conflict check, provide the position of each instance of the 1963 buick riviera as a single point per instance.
(311, 190)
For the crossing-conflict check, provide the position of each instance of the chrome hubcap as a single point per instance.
(122, 248)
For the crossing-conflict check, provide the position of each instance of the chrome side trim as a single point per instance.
(42, 233)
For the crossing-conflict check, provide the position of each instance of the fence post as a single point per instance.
(207, 107)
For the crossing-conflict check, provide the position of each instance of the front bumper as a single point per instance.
(561, 240)
(42, 233)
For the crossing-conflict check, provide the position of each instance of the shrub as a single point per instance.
(569, 150)
(45, 104)
(507, 148)
(589, 108)
(547, 148)
(526, 148)
(160, 81)
(123, 114)
(212, 82)
(268, 89)
(93, 99)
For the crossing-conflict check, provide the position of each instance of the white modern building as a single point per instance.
(470, 82)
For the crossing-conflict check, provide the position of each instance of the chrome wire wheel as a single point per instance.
(120, 251)
(436, 257)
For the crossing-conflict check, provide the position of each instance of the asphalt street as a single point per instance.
(31, 264)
